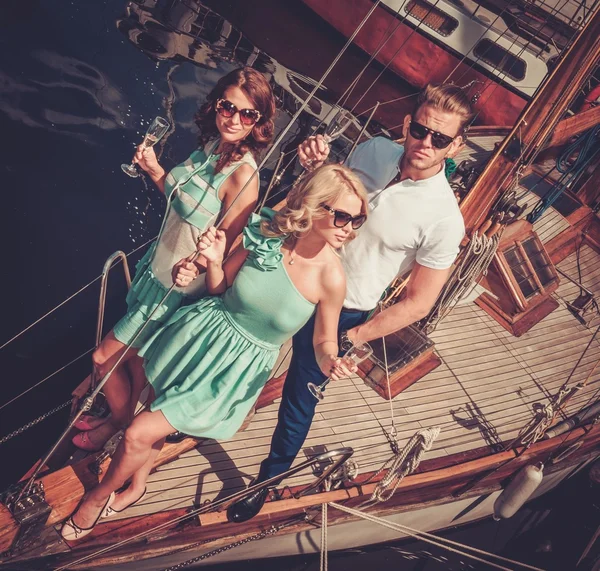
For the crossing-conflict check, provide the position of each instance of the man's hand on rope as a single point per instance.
(313, 152)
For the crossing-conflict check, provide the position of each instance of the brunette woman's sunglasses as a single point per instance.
(227, 109)
(341, 218)
(438, 140)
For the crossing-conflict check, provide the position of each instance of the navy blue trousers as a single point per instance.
(298, 404)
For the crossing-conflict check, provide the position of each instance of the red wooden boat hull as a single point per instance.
(417, 59)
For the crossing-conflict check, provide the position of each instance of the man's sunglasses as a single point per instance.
(227, 109)
(341, 218)
(438, 140)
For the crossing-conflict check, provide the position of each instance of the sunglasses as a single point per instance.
(438, 140)
(341, 218)
(227, 109)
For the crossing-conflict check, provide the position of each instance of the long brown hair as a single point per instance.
(257, 89)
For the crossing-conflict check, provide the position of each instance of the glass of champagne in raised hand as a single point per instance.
(155, 133)
(340, 122)
(358, 354)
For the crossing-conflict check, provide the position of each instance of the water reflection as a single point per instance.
(190, 31)
(79, 95)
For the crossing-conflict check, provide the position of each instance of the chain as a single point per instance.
(265, 533)
(34, 422)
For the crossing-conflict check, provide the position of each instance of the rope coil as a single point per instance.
(402, 464)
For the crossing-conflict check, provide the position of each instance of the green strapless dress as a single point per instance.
(210, 360)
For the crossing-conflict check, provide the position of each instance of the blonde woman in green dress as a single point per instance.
(209, 362)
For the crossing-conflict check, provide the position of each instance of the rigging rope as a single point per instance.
(69, 298)
(543, 419)
(401, 464)
(323, 562)
(46, 378)
(393, 434)
(587, 149)
(435, 539)
(473, 264)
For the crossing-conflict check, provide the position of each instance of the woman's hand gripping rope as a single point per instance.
(210, 246)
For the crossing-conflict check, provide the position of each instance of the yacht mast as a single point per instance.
(536, 123)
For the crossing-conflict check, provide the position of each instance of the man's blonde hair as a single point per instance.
(449, 98)
(303, 204)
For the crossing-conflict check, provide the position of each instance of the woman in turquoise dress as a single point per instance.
(210, 360)
(235, 125)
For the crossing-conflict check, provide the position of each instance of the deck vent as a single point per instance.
(401, 347)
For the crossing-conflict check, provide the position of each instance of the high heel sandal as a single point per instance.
(72, 532)
(89, 422)
(83, 441)
(108, 511)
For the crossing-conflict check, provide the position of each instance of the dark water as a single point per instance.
(80, 82)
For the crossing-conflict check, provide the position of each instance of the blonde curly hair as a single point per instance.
(303, 204)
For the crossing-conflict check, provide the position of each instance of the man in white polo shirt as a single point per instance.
(414, 223)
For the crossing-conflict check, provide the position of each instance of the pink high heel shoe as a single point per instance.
(83, 442)
(89, 422)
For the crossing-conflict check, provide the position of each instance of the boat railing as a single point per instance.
(341, 455)
(108, 266)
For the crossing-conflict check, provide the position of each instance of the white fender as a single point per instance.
(518, 491)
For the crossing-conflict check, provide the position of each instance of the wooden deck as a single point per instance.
(482, 394)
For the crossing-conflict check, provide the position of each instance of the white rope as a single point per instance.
(474, 262)
(544, 417)
(394, 432)
(324, 561)
(435, 540)
(403, 463)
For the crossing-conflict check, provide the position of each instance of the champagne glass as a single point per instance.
(155, 133)
(358, 353)
(340, 122)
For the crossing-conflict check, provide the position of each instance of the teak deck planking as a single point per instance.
(483, 366)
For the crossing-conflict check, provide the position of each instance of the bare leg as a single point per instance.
(138, 381)
(138, 480)
(143, 439)
(137, 486)
(117, 388)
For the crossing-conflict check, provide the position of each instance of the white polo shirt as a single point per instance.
(411, 221)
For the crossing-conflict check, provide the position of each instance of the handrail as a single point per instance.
(108, 265)
(344, 453)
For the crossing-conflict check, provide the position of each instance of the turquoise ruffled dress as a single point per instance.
(193, 204)
(210, 361)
